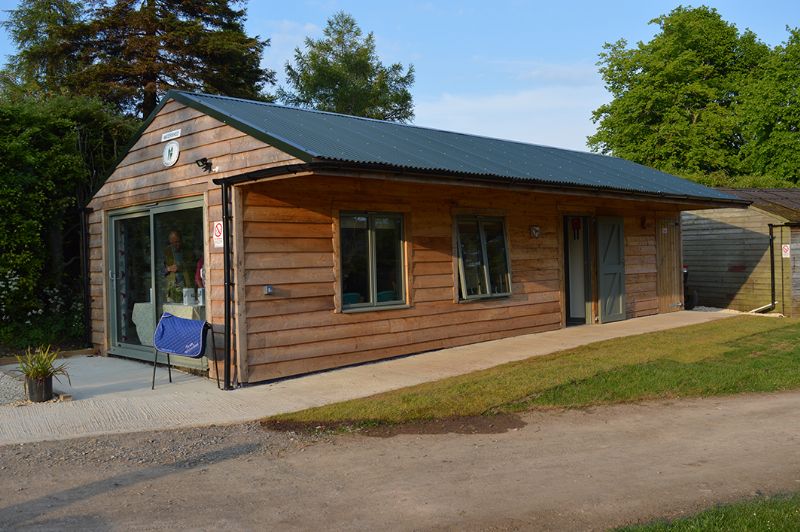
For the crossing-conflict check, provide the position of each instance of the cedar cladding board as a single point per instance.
(727, 252)
(285, 227)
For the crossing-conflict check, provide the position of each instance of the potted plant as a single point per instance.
(39, 367)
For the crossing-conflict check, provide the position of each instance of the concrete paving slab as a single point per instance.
(112, 395)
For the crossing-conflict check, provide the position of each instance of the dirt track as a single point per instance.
(549, 470)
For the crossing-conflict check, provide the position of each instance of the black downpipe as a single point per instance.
(226, 252)
(87, 300)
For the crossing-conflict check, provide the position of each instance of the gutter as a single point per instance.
(228, 285)
(449, 177)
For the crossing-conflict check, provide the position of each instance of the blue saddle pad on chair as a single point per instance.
(179, 336)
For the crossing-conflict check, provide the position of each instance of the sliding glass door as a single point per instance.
(131, 280)
(155, 265)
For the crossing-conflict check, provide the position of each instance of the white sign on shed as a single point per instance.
(216, 233)
(786, 251)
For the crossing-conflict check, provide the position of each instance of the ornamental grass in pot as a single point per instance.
(39, 366)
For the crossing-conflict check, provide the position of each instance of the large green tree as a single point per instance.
(132, 51)
(341, 73)
(129, 52)
(674, 97)
(770, 114)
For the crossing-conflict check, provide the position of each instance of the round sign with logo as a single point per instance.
(171, 151)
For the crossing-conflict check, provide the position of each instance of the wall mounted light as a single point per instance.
(204, 163)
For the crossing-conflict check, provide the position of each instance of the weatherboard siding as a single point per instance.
(727, 253)
(141, 179)
(290, 228)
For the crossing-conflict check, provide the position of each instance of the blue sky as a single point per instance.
(510, 69)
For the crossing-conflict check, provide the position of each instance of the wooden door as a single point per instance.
(669, 277)
(611, 269)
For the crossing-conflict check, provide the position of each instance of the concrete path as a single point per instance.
(113, 396)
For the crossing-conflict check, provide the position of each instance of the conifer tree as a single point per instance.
(342, 73)
(132, 51)
(41, 30)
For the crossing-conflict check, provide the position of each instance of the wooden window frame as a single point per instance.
(480, 219)
(374, 304)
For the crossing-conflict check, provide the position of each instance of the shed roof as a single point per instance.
(315, 136)
(782, 202)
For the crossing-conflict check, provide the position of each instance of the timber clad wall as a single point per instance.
(727, 253)
(641, 298)
(141, 179)
(290, 241)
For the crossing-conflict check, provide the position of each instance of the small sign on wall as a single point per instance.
(169, 135)
(786, 251)
(216, 233)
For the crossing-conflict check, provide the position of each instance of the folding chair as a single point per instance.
(181, 337)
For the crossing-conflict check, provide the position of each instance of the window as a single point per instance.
(482, 257)
(371, 259)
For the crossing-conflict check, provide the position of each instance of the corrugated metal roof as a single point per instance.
(783, 202)
(320, 136)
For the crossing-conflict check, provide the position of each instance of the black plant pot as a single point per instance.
(39, 390)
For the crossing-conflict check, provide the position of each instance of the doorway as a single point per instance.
(155, 265)
(669, 279)
(577, 268)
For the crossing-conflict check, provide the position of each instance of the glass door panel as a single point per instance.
(131, 281)
(178, 236)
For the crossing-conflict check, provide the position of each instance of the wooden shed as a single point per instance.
(746, 259)
(321, 240)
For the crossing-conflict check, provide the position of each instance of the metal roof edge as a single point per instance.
(319, 165)
(525, 183)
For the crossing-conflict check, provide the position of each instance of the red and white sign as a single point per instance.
(786, 251)
(216, 232)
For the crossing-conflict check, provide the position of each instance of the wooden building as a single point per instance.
(343, 240)
(727, 252)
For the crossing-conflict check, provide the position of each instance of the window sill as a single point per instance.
(487, 298)
(375, 308)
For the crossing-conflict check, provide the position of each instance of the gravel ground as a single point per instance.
(587, 469)
(12, 390)
(182, 449)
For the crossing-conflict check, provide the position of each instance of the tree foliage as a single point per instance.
(675, 97)
(135, 50)
(45, 58)
(341, 73)
(770, 114)
(129, 52)
(54, 153)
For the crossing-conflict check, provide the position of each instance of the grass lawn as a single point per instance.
(775, 513)
(741, 354)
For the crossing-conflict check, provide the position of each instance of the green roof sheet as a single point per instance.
(316, 136)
